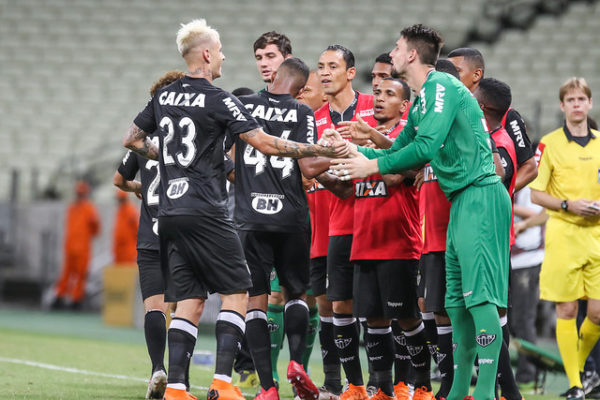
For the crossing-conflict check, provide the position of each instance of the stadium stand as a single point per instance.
(76, 72)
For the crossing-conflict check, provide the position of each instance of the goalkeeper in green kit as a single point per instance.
(447, 128)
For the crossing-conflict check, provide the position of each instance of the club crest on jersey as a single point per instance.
(267, 203)
(273, 113)
(181, 99)
(233, 108)
(177, 188)
(485, 339)
(342, 343)
(371, 189)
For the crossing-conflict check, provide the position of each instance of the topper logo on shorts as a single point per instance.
(485, 339)
(267, 203)
(342, 343)
(177, 188)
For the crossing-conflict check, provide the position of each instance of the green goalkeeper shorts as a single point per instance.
(478, 247)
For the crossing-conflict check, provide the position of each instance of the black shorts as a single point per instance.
(433, 270)
(340, 270)
(288, 253)
(203, 255)
(152, 281)
(386, 289)
(318, 275)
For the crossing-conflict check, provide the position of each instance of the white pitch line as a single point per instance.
(85, 372)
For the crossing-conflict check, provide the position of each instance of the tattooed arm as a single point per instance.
(137, 140)
(274, 146)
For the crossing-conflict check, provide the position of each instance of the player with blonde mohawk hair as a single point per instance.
(199, 244)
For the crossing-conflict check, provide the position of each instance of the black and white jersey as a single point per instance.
(150, 178)
(268, 189)
(192, 117)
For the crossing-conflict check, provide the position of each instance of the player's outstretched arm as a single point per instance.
(127, 186)
(274, 146)
(137, 140)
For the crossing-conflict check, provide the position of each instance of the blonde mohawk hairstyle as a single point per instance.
(194, 33)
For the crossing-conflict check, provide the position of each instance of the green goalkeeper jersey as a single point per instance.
(445, 127)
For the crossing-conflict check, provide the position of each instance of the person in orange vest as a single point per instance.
(82, 226)
(125, 231)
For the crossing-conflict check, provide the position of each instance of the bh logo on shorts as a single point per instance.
(342, 343)
(177, 188)
(485, 339)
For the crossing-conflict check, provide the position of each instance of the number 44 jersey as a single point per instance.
(268, 189)
(193, 116)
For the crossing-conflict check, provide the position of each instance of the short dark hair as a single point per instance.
(405, 89)
(447, 67)
(242, 91)
(296, 68)
(471, 55)
(496, 95)
(346, 54)
(384, 58)
(279, 39)
(427, 41)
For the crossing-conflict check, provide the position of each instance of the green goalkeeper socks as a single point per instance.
(276, 332)
(488, 336)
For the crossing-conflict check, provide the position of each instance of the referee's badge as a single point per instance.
(598, 175)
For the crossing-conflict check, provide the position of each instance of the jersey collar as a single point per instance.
(583, 140)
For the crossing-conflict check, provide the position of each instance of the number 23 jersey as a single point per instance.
(193, 116)
(268, 189)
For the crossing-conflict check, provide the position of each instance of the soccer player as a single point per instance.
(270, 50)
(471, 68)
(203, 250)
(445, 127)
(494, 98)
(568, 186)
(148, 258)
(271, 214)
(318, 204)
(381, 69)
(336, 72)
(385, 281)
